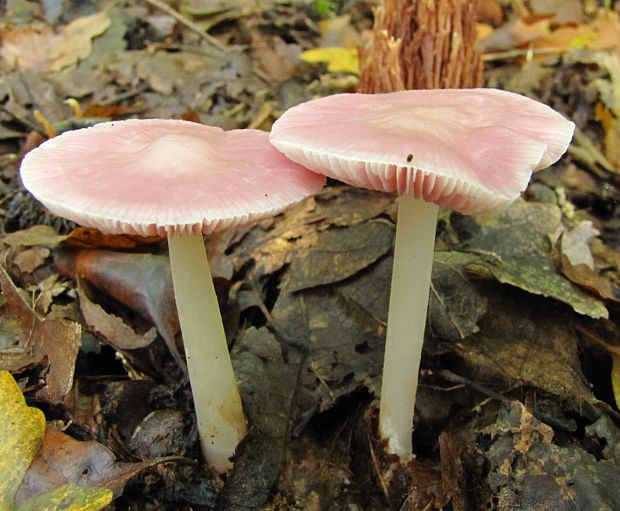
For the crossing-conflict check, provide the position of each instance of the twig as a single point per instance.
(455, 378)
(375, 465)
(512, 54)
(22, 120)
(188, 23)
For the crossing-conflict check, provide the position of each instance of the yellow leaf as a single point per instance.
(338, 60)
(582, 40)
(600, 34)
(69, 497)
(21, 432)
(615, 376)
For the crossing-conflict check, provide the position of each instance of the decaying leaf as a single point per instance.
(268, 386)
(63, 460)
(455, 305)
(530, 472)
(142, 282)
(112, 328)
(342, 344)
(161, 433)
(85, 237)
(599, 34)
(562, 11)
(68, 497)
(543, 32)
(589, 279)
(30, 340)
(370, 288)
(30, 259)
(343, 206)
(514, 34)
(576, 244)
(516, 247)
(274, 57)
(530, 343)
(338, 254)
(36, 236)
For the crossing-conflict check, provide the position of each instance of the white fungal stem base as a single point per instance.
(221, 423)
(411, 279)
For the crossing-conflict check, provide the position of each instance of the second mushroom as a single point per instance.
(470, 150)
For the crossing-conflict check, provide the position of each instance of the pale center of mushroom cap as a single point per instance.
(175, 153)
(423, 120)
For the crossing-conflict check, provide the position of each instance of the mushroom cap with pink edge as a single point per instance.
(156, 176)
(468, 149)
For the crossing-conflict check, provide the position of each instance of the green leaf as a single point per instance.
(516, 247)
(537, 278)
(325, 8)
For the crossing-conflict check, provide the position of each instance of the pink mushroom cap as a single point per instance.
(468, 149)
(160, 176)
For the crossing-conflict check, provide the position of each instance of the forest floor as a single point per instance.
(520, 380)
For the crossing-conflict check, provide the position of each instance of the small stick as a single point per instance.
(512, 54)
(455, 378)
(188, 23)
(375, 465)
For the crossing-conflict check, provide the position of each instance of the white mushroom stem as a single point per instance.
(411, 279)
(219, 414)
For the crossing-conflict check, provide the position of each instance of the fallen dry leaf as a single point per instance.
(30, 259)
(274, 57)
(515, 34)
(575, 244)
(45, 291)
(38, 235)
(516, 247)
(86, 237)
(51, 342)
(600, 34)
(339, 253)
(141, 282)
(529, 342)
(587, 278)
(562, 11)
(39, 48)
(62, 459)
(112, 328)
(526, 470)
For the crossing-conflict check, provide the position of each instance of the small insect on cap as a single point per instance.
(468, 149)
(160, 176)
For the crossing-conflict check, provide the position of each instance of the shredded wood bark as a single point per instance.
(422, 44)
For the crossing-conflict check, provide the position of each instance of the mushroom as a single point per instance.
(470, 150)
(176, 179)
